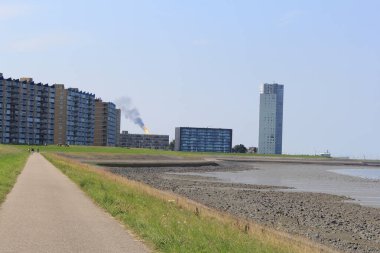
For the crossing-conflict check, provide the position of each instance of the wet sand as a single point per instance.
(324, 218)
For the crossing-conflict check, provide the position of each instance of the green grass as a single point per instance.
(164, 225)
(12, 161)
(140, 151)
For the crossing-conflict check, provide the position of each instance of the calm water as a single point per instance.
(361, 184)
(371, 174)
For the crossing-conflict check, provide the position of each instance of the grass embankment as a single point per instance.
(141, 151)
(12, 161)
(167, 222)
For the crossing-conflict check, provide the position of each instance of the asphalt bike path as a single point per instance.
(46, 212)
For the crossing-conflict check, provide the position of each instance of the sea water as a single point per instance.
(371, 174)
(361, 184)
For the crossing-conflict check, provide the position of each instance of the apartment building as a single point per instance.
(60, 114)
(39, 114)
(152, 141)
(26, 111)
(118, 122)
(74, 116)
(271, 116)
(196, 139)
(107, 124)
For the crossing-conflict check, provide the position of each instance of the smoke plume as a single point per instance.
(131, 113)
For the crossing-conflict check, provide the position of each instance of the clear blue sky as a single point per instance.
(200, 63)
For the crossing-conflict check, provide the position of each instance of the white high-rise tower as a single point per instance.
(271, 114)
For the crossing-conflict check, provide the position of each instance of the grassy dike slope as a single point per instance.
(12, 161)
(141, 151)
(170, 223)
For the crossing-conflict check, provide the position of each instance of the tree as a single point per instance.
(172, 145)
(239, 149)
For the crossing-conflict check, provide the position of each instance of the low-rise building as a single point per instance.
(152, 141)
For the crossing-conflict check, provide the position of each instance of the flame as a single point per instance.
(146, 130)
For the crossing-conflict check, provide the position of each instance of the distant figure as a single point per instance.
(38, 150)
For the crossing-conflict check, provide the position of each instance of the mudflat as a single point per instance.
(325, 218)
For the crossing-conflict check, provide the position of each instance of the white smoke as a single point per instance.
(130, 112)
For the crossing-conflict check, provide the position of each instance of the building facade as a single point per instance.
(27, 112)
(60, 114)
(271, 117)
(107, 119)
(74, 116)
(80, 117)
(152, 141)
(118, 122)
(38, 114)
(203, 139)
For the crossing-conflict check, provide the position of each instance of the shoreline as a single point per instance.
(324, 218)
(321, 161)
(201, 160)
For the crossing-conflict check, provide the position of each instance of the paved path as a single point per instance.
(46, 212)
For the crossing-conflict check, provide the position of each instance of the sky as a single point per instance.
(200, 63)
